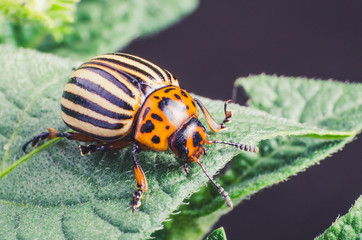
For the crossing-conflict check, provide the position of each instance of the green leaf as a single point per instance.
(325, 104)
(57, 194)
(347, 227)
(101, 26)
(218, 234)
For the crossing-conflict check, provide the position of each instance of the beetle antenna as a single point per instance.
(222, 191)
(244, 147)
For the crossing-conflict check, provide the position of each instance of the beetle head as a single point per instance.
(188, 141)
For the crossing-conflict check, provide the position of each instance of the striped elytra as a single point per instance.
(116, 100)
(104, 94)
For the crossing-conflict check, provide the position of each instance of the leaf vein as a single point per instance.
(110, 222)
(21, 119)
(300, 118)
(62, 227)
(17, 224)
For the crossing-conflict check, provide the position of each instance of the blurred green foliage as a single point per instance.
(27, 22)
(218, 234)
(91, 27)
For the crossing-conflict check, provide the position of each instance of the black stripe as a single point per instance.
(135, 81)
(93, 106)
(129, 67)
(107, 139)
(157, 71)
(110, 78)
(100, 91)
(168, 75)
(90, 120)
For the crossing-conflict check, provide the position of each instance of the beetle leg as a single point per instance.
(91, 148)
(52, 133)
(34, 141)
(214, 126)
(140, 179)
(186, 168)
(222, 192)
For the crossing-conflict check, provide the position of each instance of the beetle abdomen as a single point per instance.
(104, 95)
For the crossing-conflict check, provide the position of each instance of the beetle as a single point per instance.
(116, 100)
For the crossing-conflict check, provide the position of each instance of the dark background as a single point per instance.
(223, 40)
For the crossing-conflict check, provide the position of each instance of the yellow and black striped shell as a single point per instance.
(104, 95)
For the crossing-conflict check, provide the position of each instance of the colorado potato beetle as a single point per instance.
(116, 100)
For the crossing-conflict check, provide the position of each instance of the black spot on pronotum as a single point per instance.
(168, 89)
(155, 139)
(147, 127)
(183, 93)
(177, 96)
(157, 117)
(145, 113)
(167, 127)
(196, 139)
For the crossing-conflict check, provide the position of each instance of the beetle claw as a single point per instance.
(35, 140)
(136, 201)
(186, 168)
(84, 150)
(228, 114)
